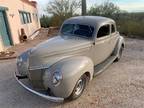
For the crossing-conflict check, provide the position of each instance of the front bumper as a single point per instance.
(24, 82)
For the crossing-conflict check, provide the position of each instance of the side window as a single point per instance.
(113, 29)
(103, 31)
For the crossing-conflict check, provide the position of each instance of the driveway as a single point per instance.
(119, 86)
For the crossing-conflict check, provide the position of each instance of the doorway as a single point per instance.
(4, 31)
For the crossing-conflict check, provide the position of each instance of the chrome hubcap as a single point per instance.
(79, 87)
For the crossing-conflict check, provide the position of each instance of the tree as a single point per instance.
(108, 9)
(63, 9)
(45, 21)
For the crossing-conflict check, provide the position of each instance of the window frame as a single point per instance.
(25, 17)
(21, 18)
(114, 28)
(29, 14)
(74, 24)
(105, 35)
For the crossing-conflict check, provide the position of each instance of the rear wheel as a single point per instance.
(79, 87)
(119, 54)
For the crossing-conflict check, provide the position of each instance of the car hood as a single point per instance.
(57, 48)
(59, 45)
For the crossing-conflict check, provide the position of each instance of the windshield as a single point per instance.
(78, 30)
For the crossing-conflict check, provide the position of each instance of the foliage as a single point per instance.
(62, 9)
(130, 24)
(106, 9)
(45, 21)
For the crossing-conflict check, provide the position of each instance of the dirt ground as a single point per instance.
(119, 86)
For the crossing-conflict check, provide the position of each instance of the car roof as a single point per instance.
(96, 21)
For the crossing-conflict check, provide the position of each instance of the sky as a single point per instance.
(128, 5)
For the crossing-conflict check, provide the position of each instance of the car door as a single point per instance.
(113, 37)
(101, 47)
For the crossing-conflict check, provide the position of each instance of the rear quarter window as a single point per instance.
(113, 28)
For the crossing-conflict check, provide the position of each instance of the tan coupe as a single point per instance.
(61, 67)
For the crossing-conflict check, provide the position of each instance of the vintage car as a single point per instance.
(61, 67)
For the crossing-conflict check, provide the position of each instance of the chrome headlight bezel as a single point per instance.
(53, 75)
(19, 59)
(56, 78)
(23, 58)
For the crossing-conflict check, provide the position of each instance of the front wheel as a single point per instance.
(79, 87)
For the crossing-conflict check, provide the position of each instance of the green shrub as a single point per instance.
(45, 21)
(131, 28)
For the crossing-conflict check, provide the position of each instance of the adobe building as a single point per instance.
(14, 16)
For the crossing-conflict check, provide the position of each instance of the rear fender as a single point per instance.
(120, 43)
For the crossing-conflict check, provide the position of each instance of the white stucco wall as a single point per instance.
(14, 6)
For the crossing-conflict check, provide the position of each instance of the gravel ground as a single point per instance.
(120, 86)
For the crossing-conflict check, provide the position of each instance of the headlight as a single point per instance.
(22, 60)
(29, 51)
(19, 59)
(57, 77)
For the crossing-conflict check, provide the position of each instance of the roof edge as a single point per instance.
(32, 3)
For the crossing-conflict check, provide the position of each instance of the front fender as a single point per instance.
(72, 68)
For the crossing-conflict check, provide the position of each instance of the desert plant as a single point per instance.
(107, 9)
(62, 9)
(45, 21)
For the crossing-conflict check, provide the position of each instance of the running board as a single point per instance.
(102, 66)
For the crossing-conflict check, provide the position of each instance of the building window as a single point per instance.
(21, 17)
(25, 17)
(29, 16)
